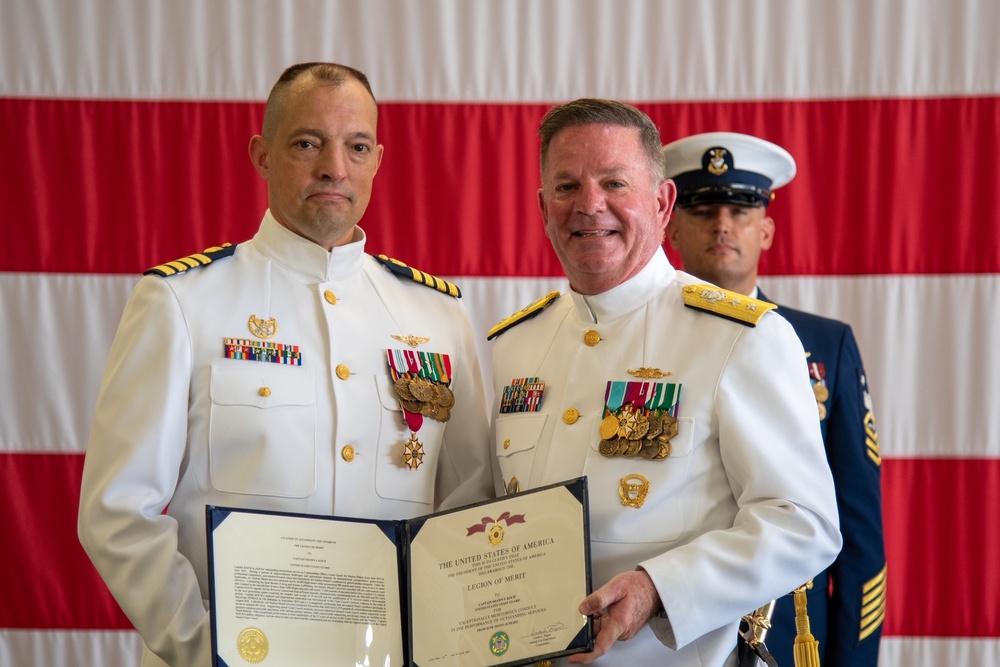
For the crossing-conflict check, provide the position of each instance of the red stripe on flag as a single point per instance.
(119, 186)
(941, 519)
(47, 579)
(940, 516)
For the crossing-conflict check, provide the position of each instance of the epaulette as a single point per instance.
(427, 279)
(524, 314)
(192, 261)
(730, 305)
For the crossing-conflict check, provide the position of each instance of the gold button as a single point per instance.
(343, 372)
(506, 443)
(571, 415)
(330, 297)
(347, 453)
(591, 338)
(264, 391)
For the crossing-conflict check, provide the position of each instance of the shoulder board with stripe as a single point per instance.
(415, 275)
(730, 305)
(192, 261)
(524, 314)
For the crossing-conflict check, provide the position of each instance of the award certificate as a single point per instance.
(496, 583)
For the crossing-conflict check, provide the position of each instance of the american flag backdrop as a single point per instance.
(124, 127)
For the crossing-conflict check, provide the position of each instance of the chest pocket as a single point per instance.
(262, 430)
(665, 509)
(517, 437)
(393, 479)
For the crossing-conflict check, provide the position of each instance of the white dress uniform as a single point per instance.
(743, 508)
(179, 426)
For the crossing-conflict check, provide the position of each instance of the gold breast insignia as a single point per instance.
(410, 339)
(633, 490)
(648, 373)
(262, 328)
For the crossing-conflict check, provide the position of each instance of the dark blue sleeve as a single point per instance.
(846, 605)
(858, 576)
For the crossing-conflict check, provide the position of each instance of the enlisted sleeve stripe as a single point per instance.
(525, 313)
(417, 276)
(192, 261)
(871, 439)
(729, 305)
(873, 603)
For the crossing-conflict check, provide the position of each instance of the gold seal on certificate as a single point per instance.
(252, 645)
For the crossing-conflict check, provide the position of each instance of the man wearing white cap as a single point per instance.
(720, 226)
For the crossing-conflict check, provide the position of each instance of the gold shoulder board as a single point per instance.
(192, 261)
(522, 315)
(427, 279)
(730, 305)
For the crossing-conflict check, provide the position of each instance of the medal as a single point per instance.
(640, 419)
(413, 452)
(420, 380)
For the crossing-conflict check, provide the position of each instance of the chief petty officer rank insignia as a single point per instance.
(422, 383)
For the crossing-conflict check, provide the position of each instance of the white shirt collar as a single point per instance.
(630, 295)
(303, 256)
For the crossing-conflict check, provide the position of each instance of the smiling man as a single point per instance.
(687, 408)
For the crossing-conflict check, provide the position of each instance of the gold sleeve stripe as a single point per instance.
(873, 603)
(730, 305)
(871, 439)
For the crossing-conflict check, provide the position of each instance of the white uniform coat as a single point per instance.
(178, 426)
(742, 511)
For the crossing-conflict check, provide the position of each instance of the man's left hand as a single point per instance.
(620, 608)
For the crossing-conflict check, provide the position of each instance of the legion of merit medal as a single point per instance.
(421, 381)
(640, 418)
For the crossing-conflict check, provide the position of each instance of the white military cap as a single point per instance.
(727, 168)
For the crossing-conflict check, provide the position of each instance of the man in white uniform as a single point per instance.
(277, 374)
(688, 408)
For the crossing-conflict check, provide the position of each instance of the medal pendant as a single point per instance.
(413, 452)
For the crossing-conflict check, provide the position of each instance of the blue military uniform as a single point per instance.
(847, 602)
